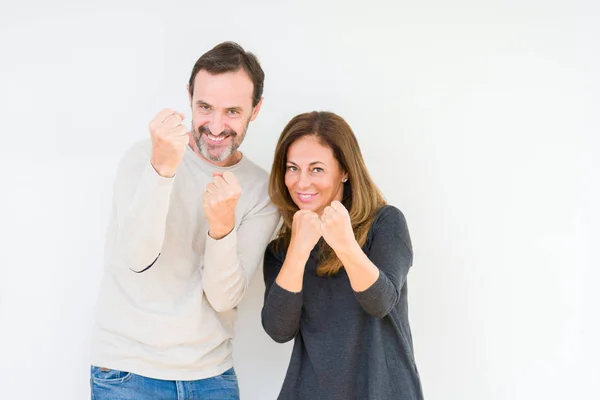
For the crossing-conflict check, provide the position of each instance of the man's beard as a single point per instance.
(207, 149)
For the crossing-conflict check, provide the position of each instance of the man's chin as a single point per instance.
(212, 157)
(217, 156)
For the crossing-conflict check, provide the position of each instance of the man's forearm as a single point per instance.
(141, 221)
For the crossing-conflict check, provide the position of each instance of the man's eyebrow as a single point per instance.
(202, 103)
(232, 108)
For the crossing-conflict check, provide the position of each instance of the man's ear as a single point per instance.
(187, 88)
(256, 109)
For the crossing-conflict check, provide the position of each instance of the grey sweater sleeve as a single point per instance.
(282, 309)
(390, 249)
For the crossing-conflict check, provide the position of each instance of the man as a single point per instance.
(191, 219)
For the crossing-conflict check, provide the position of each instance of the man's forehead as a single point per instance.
(226, 86)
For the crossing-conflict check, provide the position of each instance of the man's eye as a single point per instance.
(234, 112)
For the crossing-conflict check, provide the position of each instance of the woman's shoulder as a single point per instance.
(390, 222)
(389, 214)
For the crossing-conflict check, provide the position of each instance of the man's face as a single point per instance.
(221, 111)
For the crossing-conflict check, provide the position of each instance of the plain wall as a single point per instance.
(479, 120)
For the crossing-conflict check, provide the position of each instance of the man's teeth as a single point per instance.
(216, 138)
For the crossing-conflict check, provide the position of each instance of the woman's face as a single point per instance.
(313, 176)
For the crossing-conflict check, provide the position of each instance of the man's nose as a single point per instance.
(216, 125)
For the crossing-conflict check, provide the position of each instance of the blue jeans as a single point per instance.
(119, 385)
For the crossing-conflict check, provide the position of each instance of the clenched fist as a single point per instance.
(169, 138)
(306, 231)
(219, 202)
(336, 226)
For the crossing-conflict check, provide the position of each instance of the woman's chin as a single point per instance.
(306, 206)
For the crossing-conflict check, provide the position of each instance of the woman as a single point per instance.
(336, 275)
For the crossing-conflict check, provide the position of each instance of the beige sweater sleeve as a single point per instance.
(230, 263)
(141, 204)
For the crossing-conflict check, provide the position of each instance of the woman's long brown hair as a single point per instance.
(362, 198)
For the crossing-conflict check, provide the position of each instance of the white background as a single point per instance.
(479, 119)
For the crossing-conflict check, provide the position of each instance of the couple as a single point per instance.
(190, 222)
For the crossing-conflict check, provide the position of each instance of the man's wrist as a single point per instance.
(220, 232)
(162, 171)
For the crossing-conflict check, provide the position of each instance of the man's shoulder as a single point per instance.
(253, 170)
(253, 178)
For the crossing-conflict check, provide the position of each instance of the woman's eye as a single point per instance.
(317, 169)
(291, 168)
